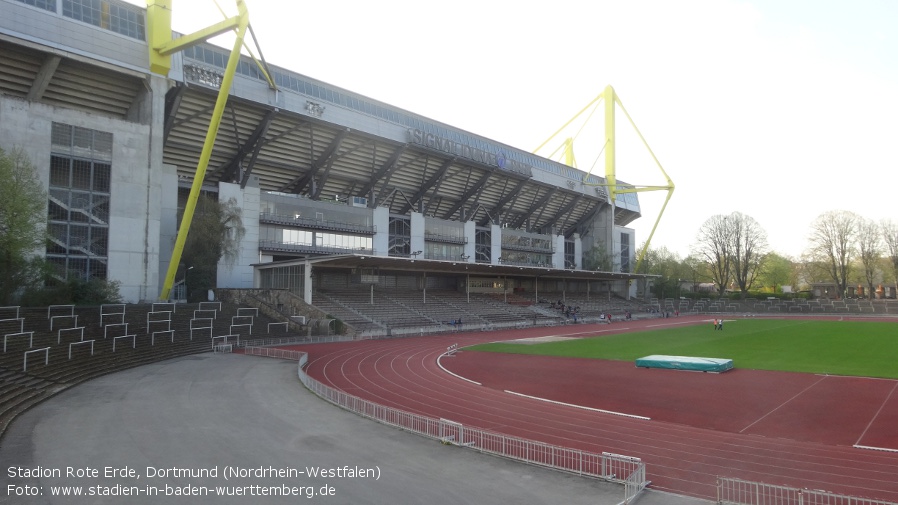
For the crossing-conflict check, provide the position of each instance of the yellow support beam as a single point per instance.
(241, 23)
(610, 145)
(611, 101)
(180, 44)
(159, 33)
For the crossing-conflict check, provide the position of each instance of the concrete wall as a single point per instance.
(136, 191)
(240, 274)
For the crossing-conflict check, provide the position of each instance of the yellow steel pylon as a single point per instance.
(611, 99)
(162, 46)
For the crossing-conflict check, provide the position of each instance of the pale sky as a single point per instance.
(781, 110)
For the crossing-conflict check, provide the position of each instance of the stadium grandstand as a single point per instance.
(343, 197)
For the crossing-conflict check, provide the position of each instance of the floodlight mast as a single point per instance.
(609, 148)
(162, 46)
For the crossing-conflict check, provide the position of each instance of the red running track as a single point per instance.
(682, 455)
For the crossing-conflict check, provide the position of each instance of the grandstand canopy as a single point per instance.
(394, 264)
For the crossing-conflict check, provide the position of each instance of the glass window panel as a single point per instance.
(56, 212)
(49, 5)
(102, 146)
(100, 208)
(81, 174)
(59, 171)
(101, 177)
(61, 138)
(97, 269)
(99, 241)
(77, 267)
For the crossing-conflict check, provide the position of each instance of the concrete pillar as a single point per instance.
(381, 241)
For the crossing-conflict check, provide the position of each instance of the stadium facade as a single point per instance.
(335, 188)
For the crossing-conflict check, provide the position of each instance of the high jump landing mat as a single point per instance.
(685, 363)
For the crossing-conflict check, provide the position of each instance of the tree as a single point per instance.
(696, 271)
(598, 258)
(23, 224)
(831, 245)
(869, 245)
(215, 235)
(713, 246)
(669, 269)
(890, 238)
(777, 271)
(748, 246)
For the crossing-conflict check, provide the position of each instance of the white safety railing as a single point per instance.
(294, 340)
(20, 320)
(79, 329)
(170, 332)
(205, 313)
(91, 342)
(224, 340)
(45, 350)
(73, 318)
(60, 310)
(216, 306)
(112, 310)
(29, 334)
(159, 306)
(743, 492)
(114, 325)
(624, 470)
(158, 316)
(133, 341)
(195, 324)
(282, 324)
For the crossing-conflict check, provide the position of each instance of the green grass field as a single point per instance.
(866, 349)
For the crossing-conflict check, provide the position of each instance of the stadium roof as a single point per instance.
(306, 137)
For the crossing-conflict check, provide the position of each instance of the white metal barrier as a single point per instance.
(205, 313)
(222, 348)
(46, 351)
(198, 327)
(625, 470)
(276, 324)
(69, 310)
(73, 317)
(106, 329)
(20, 334)
(743, 492)
(249, 325)
(10, 308)
(110, 310)
(133, 341)
(80, 329)
(224, 340)
(247, 312)
(91, 342)
(216, 306)
(21, 321)
(294, 340)
(162, 305)
(153, 338)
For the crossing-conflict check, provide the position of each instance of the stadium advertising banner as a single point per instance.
(471, 153)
